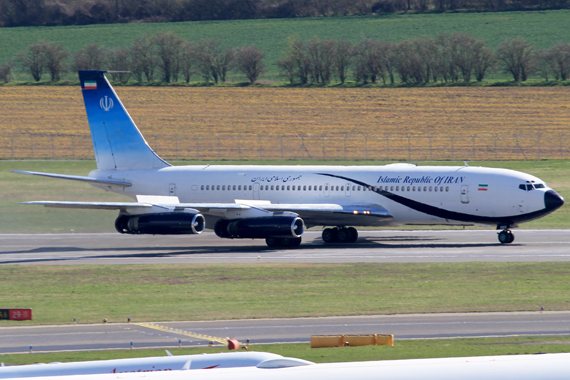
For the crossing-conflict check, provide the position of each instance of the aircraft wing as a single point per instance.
(312, 213)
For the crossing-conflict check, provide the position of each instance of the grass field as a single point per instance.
(413, 349)
(58, 294)
(542, 28)
(318, 123)
(16, 188)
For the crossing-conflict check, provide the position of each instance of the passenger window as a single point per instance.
(250, 187)
(353, 188)
(413, 188)
(239, 187)
(202, 188)
(326, 188)
(309, 188)
(304, 188)
(397, 188)
(288, 188)
(358, 188)
(207, 187)
(435, 189)
(447, 188)
(321, 188)
(425, 188)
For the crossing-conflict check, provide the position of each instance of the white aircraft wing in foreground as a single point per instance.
(514, 367)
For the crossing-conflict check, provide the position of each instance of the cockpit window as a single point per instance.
(531, 185)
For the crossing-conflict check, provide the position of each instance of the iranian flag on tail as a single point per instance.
(483, 187)
(90, 85)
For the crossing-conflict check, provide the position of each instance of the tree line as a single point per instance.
(166, 57)
(82, 12)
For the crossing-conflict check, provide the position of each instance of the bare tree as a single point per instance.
(143, 57)
(517, 57)
(368, 61)
(213, 62)
(34, 60)
(342, 59)
(483, 60)
(168, 46)
(287, 67)
(188, 65)
(320, 56)
(558, 60)
(6, 70)
(56, 59)
(249, 61)
(119, 59)
(91, 57)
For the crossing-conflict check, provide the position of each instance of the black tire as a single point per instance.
(329, 235)
(506, 237)
(353, 234)
(343, 235)
(294, 242)
(273, 242)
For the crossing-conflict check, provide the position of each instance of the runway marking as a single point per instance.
(182, 332)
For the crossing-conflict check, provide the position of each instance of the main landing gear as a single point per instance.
(506, 236)
(291, 242)
(340, 235)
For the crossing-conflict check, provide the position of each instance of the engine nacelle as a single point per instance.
(260, 228)
(169, 223)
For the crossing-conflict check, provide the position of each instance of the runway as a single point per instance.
(263, 331)
(372, 246)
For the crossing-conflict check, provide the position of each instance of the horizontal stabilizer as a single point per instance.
(77, 178)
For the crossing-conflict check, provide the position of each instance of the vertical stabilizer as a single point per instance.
(117, 142)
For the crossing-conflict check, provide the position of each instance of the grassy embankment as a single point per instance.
(542, 28)
(89, 293)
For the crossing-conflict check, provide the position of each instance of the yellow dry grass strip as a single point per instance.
(155, 326)
(401, 123)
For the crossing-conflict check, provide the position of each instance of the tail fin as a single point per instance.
(117, 142)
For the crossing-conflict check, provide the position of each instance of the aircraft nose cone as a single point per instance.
(552, 200)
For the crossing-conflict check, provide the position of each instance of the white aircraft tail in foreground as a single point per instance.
(515, 367)
(276, 203)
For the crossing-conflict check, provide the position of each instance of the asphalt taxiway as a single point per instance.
(264, 331)
(372, 246)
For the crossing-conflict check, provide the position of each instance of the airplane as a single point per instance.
(141, 365)
(277, 203)
(519, 367)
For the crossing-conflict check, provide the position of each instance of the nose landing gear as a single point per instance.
(506, 236)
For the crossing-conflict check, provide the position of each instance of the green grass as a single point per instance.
(15, 188)
(58, 294)
(541, 28)
(411, 349)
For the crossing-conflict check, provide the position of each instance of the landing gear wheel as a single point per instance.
(291, 242)
(274, 242)
(330, 235)
(343, 235)
(353, 234)
(506, 237)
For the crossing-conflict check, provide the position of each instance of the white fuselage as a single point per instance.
(411, 194)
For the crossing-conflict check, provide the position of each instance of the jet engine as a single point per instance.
(260, 228)
(170, 223)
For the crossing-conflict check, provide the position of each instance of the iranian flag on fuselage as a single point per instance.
(90, 85)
